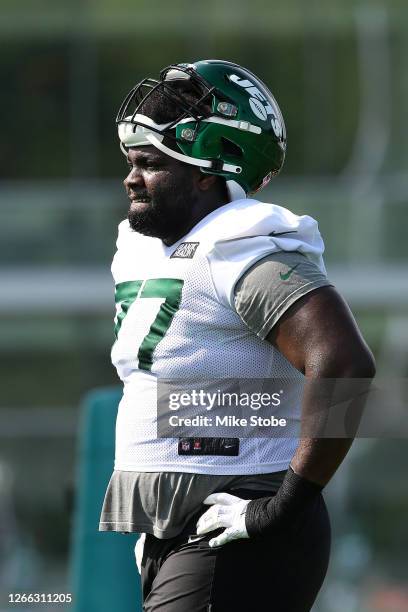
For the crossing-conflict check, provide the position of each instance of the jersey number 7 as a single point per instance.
(169, 289)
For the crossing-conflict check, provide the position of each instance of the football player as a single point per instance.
(213, 284)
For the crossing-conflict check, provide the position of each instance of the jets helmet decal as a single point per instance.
(228, 123)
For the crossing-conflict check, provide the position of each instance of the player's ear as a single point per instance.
(206, 181)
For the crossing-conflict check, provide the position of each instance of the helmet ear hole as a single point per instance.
(230, 148)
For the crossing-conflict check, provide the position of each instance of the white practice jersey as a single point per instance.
(176, 319)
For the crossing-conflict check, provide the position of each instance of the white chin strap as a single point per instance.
(156, 140)
(132, 135)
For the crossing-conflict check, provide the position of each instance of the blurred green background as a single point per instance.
(339, 70)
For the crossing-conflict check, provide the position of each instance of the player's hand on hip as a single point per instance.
(226, 511)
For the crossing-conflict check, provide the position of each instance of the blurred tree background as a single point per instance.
(339, 71)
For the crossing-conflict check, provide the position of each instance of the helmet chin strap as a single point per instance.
(235, 191)
(203, 163)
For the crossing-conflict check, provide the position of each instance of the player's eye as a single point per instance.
(146, 164)
(154, 164)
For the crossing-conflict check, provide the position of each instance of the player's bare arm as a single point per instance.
(319, 336)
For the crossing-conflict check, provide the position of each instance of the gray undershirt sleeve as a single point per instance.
(272, 285)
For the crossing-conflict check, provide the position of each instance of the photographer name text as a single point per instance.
(226, 421)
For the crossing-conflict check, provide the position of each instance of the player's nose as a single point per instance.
(134, 179)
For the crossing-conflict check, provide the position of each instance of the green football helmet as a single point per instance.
(233, 127)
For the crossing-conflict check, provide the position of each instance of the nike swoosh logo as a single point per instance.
(192, 539)
(282, 233)
(287, 274)
(272, 234)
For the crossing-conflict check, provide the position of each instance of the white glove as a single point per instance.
(139, 551)
(226, 511)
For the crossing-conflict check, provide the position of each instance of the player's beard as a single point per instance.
(168, 215)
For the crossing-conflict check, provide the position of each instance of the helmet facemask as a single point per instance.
(186, 96)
